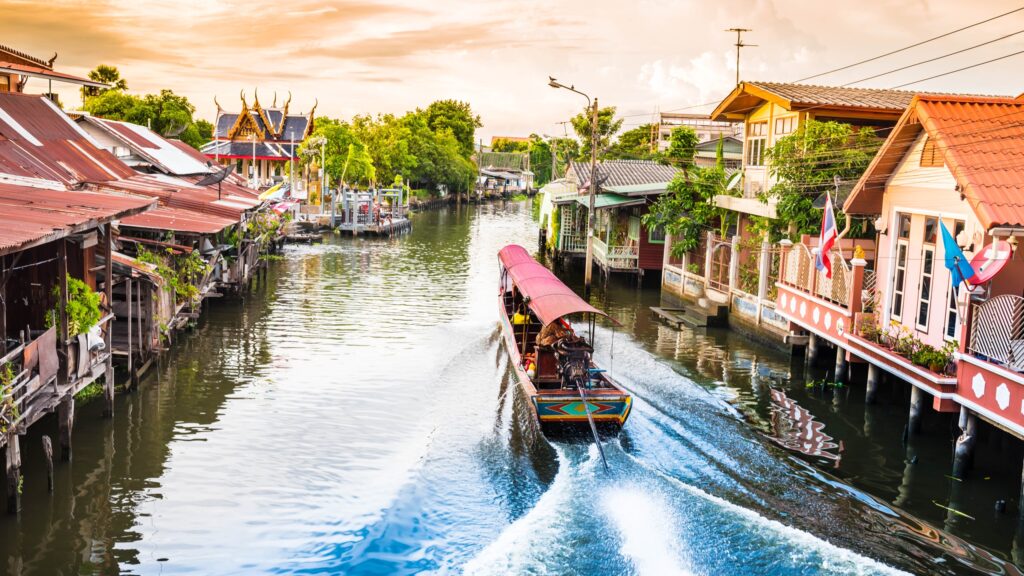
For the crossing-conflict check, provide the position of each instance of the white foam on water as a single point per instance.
(527, 544)
(649, 534)
(834, 558)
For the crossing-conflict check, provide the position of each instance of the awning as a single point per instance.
(603, 201)
(545, 294)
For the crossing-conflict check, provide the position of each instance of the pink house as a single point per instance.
(958, 160)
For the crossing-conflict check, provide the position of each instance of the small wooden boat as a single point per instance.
(568, 392)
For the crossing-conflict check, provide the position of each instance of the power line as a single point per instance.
(1019, 52)
(914, 45)
(961, 51)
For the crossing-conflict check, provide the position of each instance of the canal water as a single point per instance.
(357, 415)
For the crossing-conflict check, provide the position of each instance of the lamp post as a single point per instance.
(589, 265)
(252, 167)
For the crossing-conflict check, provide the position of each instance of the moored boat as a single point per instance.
(568, 393)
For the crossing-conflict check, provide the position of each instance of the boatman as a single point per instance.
(552, 333)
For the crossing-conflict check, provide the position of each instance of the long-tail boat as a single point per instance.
(567, 391)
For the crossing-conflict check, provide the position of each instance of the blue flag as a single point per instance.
(957, 264)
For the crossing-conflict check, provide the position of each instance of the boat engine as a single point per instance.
(573, 355)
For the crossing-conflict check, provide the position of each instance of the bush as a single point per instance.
(83, 307)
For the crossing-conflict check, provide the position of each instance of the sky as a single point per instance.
(390, 56)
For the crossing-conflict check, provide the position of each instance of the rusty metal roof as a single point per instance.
(33, 216)
(179, 193)
(38, 140)
(47, 73)
(982, 143)
(179, 220)
(156, 150)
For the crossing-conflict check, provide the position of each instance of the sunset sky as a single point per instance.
(363, 56)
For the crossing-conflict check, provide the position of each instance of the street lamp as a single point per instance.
(588, 266)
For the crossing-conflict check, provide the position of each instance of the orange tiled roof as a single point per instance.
(982, 141)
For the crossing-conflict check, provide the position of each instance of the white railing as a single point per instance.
(997, 331)
(616, 257)
(573, 243)
(801, 273)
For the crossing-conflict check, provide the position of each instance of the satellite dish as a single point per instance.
(174, 130)
(216, 177)
(990, 261)
(734, 180)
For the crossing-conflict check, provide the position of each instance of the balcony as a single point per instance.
(806, 297)
(616, 258)
(990, 371)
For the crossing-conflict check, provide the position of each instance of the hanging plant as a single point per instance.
(83, 307)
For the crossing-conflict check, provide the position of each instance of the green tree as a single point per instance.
(806, 164)
(607, 126)
(456, 117)
(387, 141)
(682, 147)
(343, 153)
(506, 145)
(108, 75)
(689, 209)
(634, 144)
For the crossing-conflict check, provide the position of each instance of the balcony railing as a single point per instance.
(616, 257)
(801, 273)
(573, 243)
(997, 331)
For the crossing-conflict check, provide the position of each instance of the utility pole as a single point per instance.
(739, 44)
(591, 220)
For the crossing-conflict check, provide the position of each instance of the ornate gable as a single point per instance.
(245, 125)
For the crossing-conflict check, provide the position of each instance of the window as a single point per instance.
(5, 83)
(931, 230)
(656, 235)
(952, 315)
(634, 228)
(930, 155)
(925, 289)
(904, 226)
(757, 133)
(785, 126)
(900, 279)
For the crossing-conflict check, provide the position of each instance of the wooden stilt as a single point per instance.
(841, 365)
(48, 456)
(917, 399)
(813, 344)
(874, 378)
(12, 467)
(108, 290)
(964, 451)
(66, 424)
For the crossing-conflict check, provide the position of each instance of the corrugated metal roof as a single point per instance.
(179, 220)
(160, 152)
(982, 142)
(624, 172)
(33, 216)
(602, 201)
(48, 73)
(37, 140)
(178, 193)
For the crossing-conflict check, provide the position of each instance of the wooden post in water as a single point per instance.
(108, 292)
(66, 423)
(48, 456)
(63, 362)
(874, 377)
(964, 452)
(917, 399)
(12, 468)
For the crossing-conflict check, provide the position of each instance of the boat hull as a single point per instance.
(562, 412)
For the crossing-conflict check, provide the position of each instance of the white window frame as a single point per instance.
(952, 312)
(925, 280)
(899, 294)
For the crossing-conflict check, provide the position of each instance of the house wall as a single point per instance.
(759, 177)
(652, 254)
(921, 192)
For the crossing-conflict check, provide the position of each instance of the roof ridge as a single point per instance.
(20, 54)
(826, 87)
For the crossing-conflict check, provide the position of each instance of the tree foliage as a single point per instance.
(689, 208)
(108, 75)
(607, 127)
(633, 144)
(455, 117)
(807, 162)
(427, 148)
(506, 145)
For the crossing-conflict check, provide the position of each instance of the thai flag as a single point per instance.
(826, 239)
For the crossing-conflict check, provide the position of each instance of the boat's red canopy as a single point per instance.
(546, 295)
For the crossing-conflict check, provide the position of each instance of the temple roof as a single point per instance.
(269, 124)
